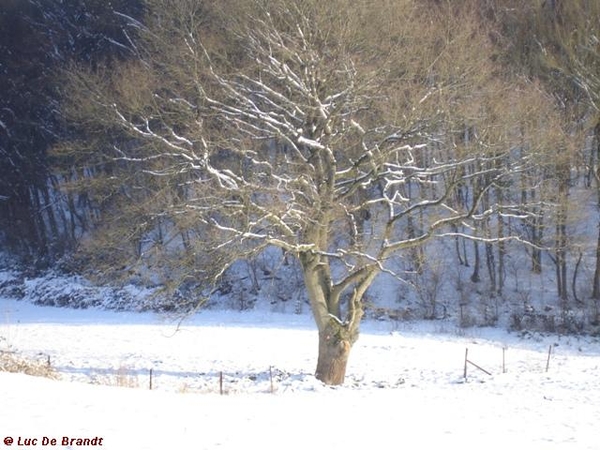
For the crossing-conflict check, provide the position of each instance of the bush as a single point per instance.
(11, 362)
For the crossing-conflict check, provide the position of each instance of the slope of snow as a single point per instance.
(405, 384)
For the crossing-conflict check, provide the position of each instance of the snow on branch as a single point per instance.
(496, 240)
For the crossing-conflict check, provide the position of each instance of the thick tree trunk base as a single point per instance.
(333, 357)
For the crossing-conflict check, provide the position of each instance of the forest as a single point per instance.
(308, 149)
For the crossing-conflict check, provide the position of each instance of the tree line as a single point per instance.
(183, 137)
(38, 41)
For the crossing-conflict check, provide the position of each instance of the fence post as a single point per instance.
(549, 355)
(467, 362)
(150, 382)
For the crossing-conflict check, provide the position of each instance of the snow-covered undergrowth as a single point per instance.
(444, 292)
(405, 385)
(56, 289)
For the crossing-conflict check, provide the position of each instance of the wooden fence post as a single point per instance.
(473, 364)
(548, 360)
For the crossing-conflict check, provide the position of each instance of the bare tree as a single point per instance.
(325, 136)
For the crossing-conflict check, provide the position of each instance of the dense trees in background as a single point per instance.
(183, 136)
(38, 40)
(557, 42)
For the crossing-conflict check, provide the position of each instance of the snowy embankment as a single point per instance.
(405, 384)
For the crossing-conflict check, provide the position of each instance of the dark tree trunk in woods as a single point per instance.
(596, 282)
(501, 249)
(562, 239)
(536, 239)
(475, 278)
(491, 265)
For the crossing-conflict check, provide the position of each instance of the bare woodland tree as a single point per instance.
(323, 130)
(574, 51)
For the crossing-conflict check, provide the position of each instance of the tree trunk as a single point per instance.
(561, 263)
(336, 336)
(537, 239)
(561, 239)
(596, 282)
(334, 350)
(501, 250)
(457, 245)
(596, 173)
(475, 278)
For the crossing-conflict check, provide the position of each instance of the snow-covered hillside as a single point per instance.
(405, 386)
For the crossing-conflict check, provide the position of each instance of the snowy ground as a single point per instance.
(405, 386)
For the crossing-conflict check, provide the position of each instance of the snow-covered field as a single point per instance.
(405, 386)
